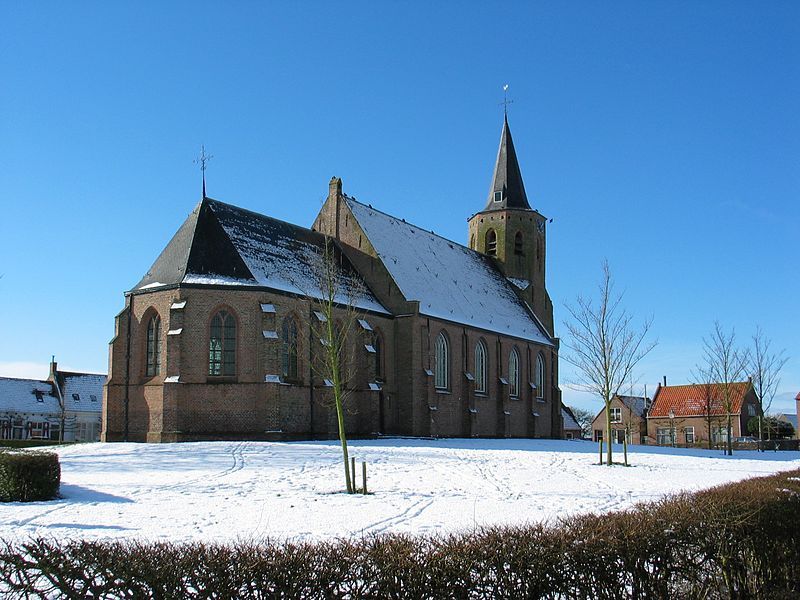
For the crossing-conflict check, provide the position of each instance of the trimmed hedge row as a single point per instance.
(28, 475)
(735, 541)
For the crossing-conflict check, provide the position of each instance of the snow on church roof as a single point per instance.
(450, 281)
(221, 244)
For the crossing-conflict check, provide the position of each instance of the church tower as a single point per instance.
(513, 233)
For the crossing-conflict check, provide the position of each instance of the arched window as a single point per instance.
(289, 351)
(518, 244)
(480, 367)
(539, 376)
(442, 380)
(491, 243)
(153, 350)
(222, 345)
(378, 345)
(513, 373)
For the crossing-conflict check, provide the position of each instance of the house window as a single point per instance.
(154, 346)
(480, 367)
(688, 433)
(442, 354)
(751, 410)
(289, 349)
(491, 243)
(38, 429)
(665, 436)
(222, 345)
(720, 435)
(513, 373)
(616, 415)
(518, 244)
(539, 382)
(498, 196)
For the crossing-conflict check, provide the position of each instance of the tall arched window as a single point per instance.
(154, 346)
(518, 244)
(491, 242)
(289, 351)
(513, 373)
(539, 376)
(480, 367)
(222, 345)
(378, 345)
(442, 349)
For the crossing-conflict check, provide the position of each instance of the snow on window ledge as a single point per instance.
(270, 335)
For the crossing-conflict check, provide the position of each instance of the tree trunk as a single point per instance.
(608, 433)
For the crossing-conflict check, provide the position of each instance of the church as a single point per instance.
(217, 340)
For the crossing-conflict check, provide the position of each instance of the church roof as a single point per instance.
(507, 177)
(221, 244)
(450, 281)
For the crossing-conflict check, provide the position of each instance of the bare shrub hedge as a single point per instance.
(28, 475)
(735, 541)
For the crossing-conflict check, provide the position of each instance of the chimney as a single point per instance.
(665, 381)
(335, 187)
(53, 369)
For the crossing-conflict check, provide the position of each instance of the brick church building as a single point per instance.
(216, 341)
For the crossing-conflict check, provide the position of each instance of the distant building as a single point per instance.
(791, 419)
(685, 415)
(456, 340)
(570, 429)
(32, 408)
(628, 419)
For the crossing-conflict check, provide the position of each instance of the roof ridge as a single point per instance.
(428, 231)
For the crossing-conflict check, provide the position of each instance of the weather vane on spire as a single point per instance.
(505, 101)
(202, 160)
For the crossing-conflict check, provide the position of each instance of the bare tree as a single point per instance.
(765, 368)
(725, 365)
(334, 323)
(583, 417)
(604, 345)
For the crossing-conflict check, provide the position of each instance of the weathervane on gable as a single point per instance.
(505, 101)
(202, 160)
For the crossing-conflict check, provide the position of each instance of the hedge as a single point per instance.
(28, 475)
(735, 541)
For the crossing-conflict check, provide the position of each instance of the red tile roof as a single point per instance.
(691, 400)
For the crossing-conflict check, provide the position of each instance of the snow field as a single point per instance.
(228, 491)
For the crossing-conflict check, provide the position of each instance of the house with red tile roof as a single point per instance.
(697, 414)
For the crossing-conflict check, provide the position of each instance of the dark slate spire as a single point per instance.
(507, 178)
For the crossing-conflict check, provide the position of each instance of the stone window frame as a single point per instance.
(153, 344)
(514, 373)
(442, 362)
(481, 367)
(539, 376)
(222, 375)
(285, 356)
(491, 242)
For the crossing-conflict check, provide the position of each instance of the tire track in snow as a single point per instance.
(412, 511)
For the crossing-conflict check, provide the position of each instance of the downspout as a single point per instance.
(126, 399)
(311, 370)
(62, 407)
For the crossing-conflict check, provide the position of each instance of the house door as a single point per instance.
(619, 436)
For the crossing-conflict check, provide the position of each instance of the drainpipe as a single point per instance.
(60, 404)
(126, 400)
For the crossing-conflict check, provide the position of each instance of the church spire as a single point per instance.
(507, 189)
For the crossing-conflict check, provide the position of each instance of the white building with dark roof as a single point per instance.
(216, 340)
(41, 409)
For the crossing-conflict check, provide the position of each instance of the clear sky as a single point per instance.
(664, 136)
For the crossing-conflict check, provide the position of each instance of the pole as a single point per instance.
(601, 450)
(625, 449)
(353, 473)
(364, 476)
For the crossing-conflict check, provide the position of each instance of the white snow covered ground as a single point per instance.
(226, 491)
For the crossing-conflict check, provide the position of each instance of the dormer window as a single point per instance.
(498, 196)
(491, 243)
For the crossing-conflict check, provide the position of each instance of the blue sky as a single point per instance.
(663, 136)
